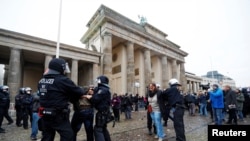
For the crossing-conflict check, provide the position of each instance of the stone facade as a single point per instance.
(133, 53)
(26, 58)
(193, 82)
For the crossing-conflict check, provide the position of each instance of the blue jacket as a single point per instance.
(216, 98)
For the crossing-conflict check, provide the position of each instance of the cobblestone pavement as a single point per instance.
(128, 130)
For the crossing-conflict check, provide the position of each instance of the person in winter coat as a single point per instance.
(116, 105)
(230, 104)
(217, 103)
(239, 102)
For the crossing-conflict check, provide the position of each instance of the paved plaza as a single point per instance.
(128, 130)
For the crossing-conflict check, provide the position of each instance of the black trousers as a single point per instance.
(150, 124)
(19, 115)
(101, 132)
(85, 117)
(6, 113)
(60, 124)
(27, 115)
(116, 114)
(179, 124)
(1, 115)
(232, 116)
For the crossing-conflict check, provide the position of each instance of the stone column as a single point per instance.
(174, 70)
(198, 86)
(124, 69)
(130, 67)
(95, 71)
(147, 67)
(74, 71)
(183, 79)
(14, 73)
(194, 87)
(190, 86)
(165, 77)
(107, 56)
(47, 60)
(6, 73)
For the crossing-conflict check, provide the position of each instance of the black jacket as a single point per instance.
(101, 98)
(4, 99)
(56, 91)
(173, 96)
(230, 98)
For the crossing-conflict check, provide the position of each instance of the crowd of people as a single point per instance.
(26, 106)
(223, 104)
(48, 109)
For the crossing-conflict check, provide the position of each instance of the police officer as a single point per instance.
(175, 100)
(5, 90)
(102, 102)
(19, 106)
(27, 107)
(56, 91)
(3, 104)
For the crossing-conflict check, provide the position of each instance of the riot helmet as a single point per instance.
(102, 80)
(4, 88)
(60, 65)
(174, 82)
(28, 90)
(22, 90)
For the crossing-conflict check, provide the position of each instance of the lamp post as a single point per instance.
(137, 85)
(59, 30)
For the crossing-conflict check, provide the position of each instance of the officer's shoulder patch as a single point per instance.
(99, 92)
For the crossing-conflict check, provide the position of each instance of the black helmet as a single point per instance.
(22, 90)
(60, 65)
(103, 80)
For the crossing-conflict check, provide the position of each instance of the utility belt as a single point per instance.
(103, 118)
(52, 112)
(85, 107)
(178, 106)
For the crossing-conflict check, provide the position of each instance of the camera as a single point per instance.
(205, 87)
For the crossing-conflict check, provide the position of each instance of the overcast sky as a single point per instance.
(215, 33)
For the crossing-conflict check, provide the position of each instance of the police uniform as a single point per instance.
(27, 107)
(175, 100)
(5, 90)
(102, 101)
(18, 106)
(56, 90)
(3, 106)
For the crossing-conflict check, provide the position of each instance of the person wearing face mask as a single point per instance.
(56, 90)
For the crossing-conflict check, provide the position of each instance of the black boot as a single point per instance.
(150, 132)
(2, 130)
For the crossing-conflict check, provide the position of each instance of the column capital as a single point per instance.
(127, 43)
(74, 59)
(106, 34)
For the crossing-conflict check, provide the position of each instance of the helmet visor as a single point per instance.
(67, 70)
